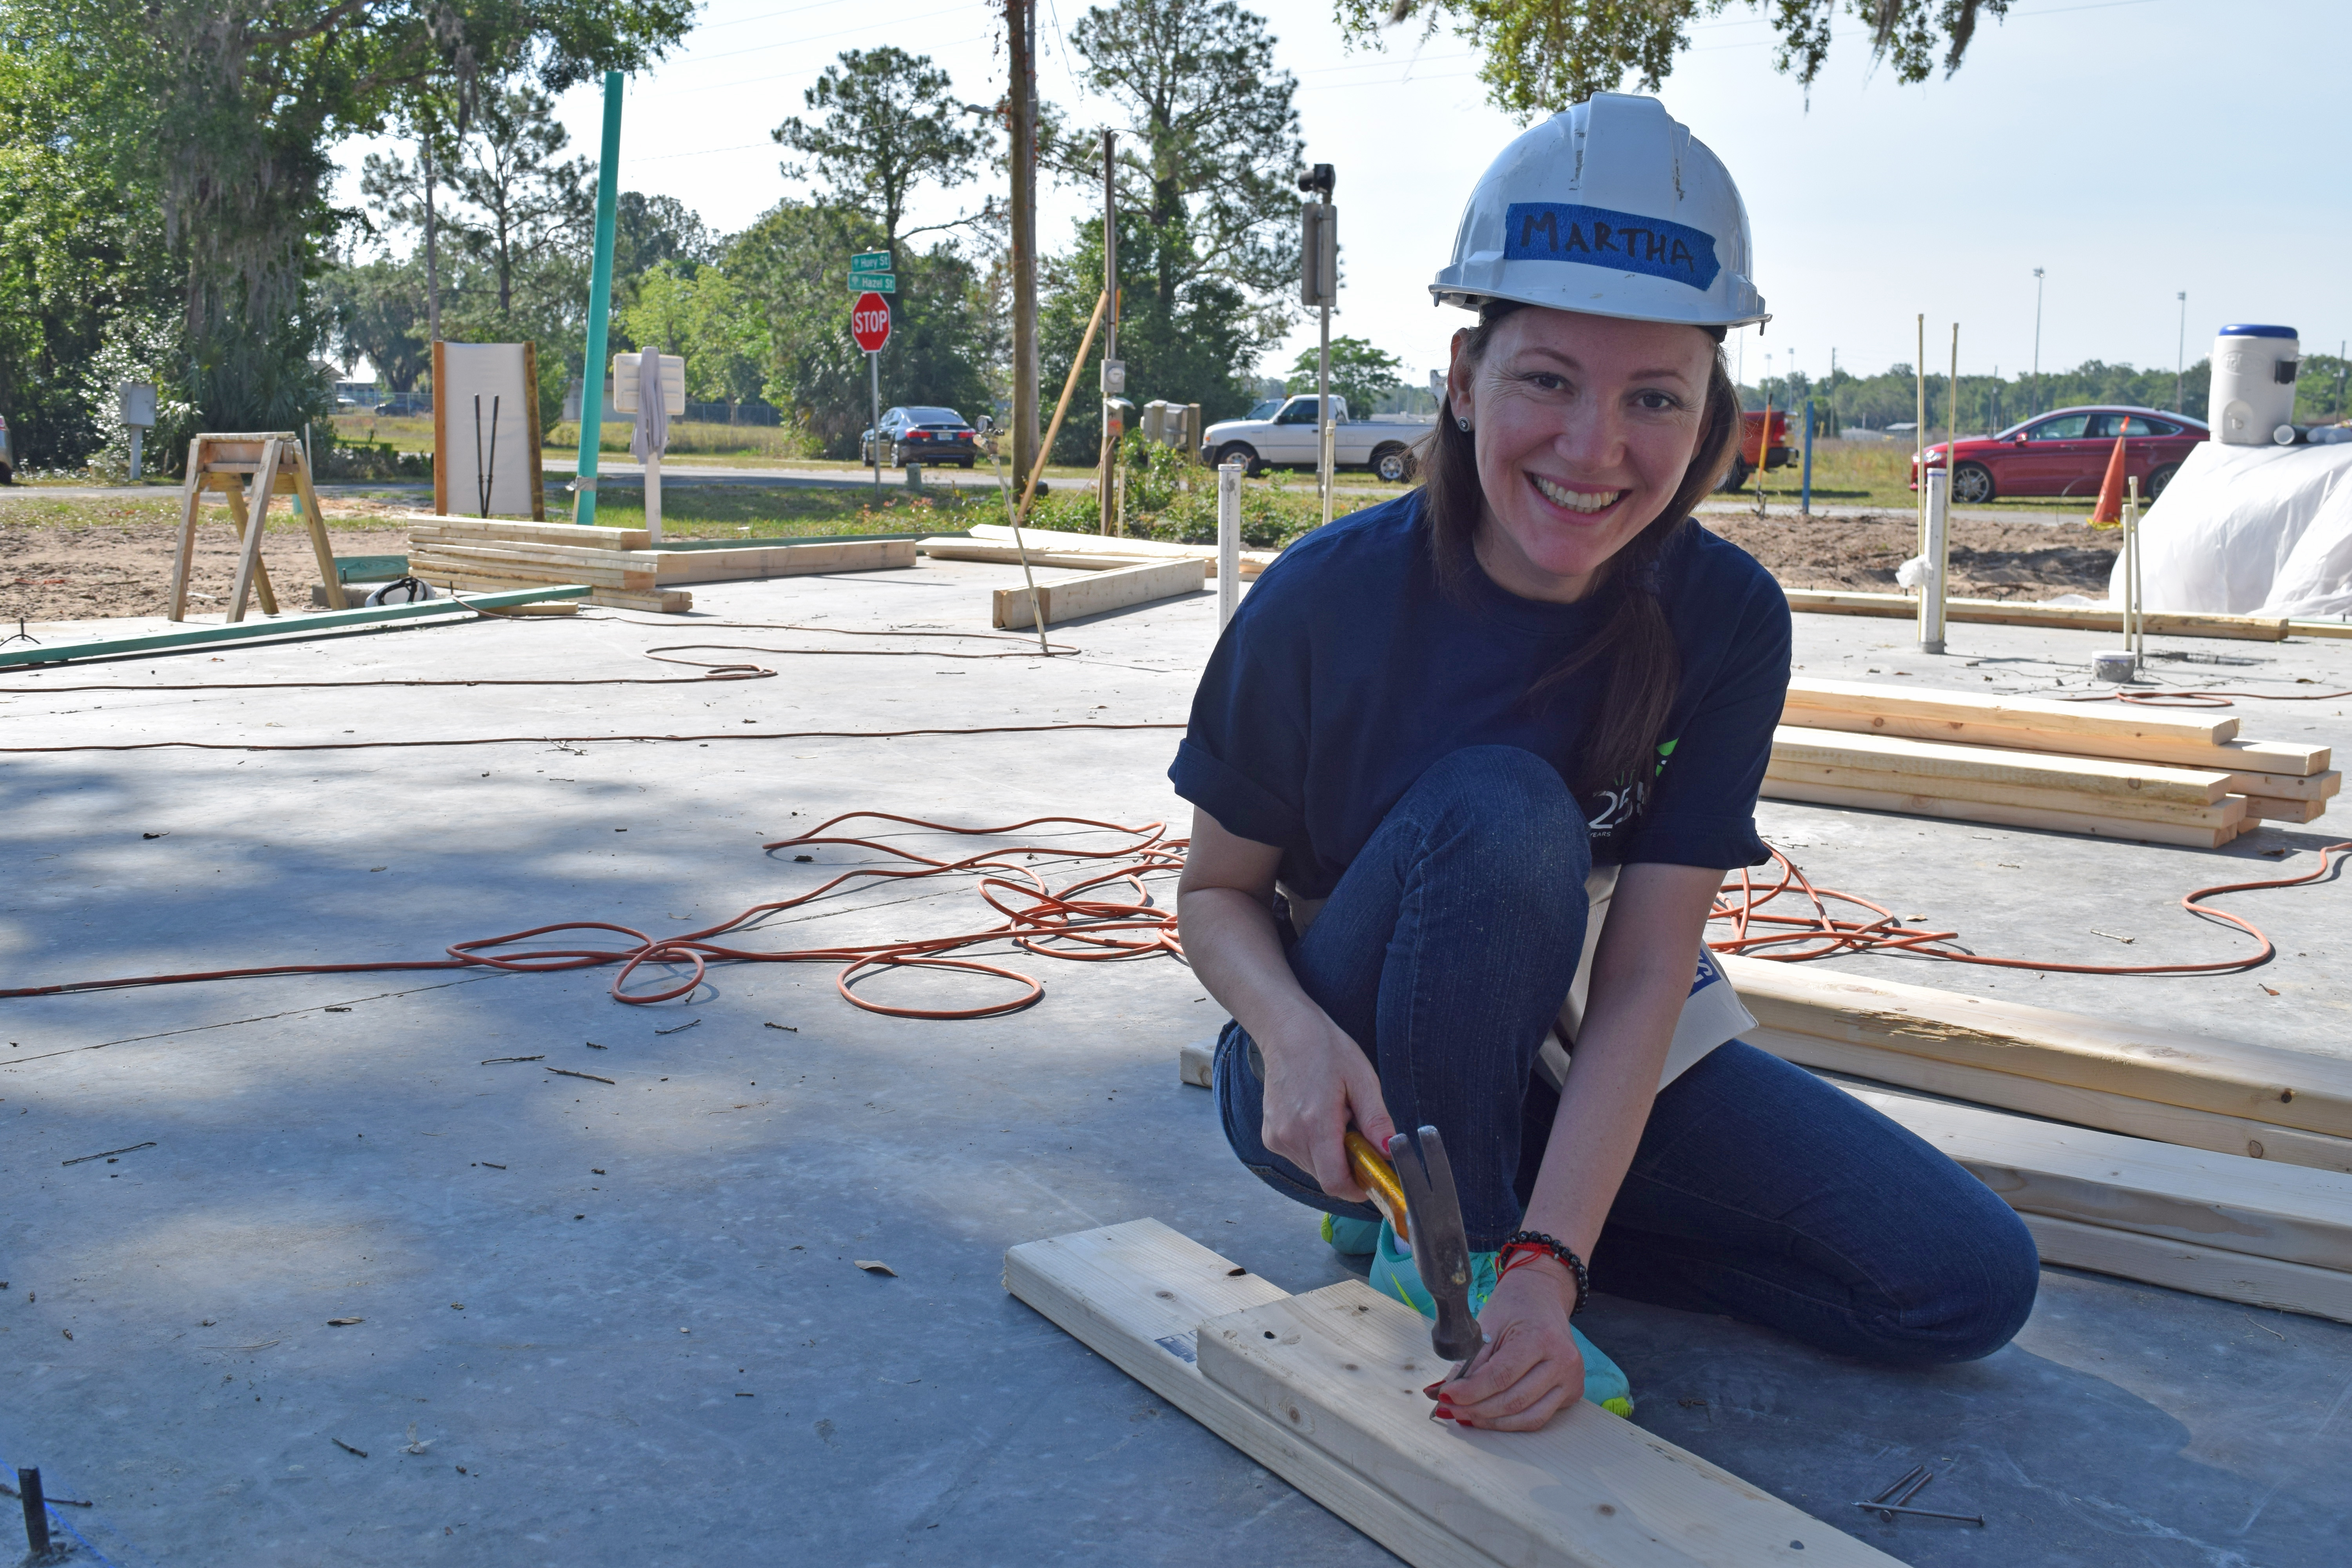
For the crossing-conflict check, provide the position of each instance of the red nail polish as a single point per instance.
(1465, 1421)
(1433, 1388)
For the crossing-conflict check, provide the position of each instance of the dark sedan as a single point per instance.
(2065, 453)
(921, 436)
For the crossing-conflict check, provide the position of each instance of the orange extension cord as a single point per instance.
(1064, 922)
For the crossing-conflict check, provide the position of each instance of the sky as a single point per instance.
(2131, 149)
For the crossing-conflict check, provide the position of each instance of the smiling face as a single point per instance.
(1585, 425)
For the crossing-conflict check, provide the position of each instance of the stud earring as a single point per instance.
(1463, 423)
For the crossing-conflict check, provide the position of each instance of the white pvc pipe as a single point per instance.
(1938, 557)
(1229, 542)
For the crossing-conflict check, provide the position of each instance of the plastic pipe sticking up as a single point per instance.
(1937, 486)
(600, 306)
(1229, 541)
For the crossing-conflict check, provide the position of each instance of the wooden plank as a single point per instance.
(487, 528)
(1344, 1368)
(2198, 1270)
(2267, 808)
(757, 561)
(2259, 1206)
(538, 436)
(183, 547)
(1056, 559)
(2170, 1067)
(250, 553)
(2239, 758)
(2008, 612)
(664, 601)
(426, 562)
(557, 554)
(1147, 1298)
(2104, 776)
(321, 547)
(440, 430)
(2063, 1102)
(2320, 629)
(2221, 812)
(1073, 598)
(2177, 834)
(1136, 1294)
(2279, 787)
(491, 564)
(1958, 709)
(1253, 561)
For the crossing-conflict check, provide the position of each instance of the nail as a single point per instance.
(1433, 1388)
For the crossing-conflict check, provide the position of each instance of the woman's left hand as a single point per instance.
(1531, 1367)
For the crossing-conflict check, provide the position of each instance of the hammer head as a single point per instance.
(1441, 1247)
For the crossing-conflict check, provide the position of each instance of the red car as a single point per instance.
(2065, 453)
(1758, 444)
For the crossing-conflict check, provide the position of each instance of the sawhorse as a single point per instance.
(275, 461)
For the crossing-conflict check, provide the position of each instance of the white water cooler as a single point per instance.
(2252, 402)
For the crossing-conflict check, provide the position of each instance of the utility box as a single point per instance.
(1114, 377)
(137, 399)
(1173, 424)
(1318, 255)
(625, 384)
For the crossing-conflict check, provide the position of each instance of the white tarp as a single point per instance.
(2251, 530)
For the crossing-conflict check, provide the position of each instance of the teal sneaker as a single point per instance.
(1394, 1274)
(1352, 1237)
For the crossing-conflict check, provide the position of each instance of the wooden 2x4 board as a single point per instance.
(1073, 598)
(1325, 1390)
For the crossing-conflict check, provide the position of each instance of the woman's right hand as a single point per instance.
(1318, 1084)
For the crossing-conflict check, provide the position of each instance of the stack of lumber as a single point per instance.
(1324, 1389)
(2205, 1165)
(473, 554)
(2019, 613)
(1082, 551)
(2111, 771)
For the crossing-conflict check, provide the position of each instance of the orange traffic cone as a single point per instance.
(2110, 511)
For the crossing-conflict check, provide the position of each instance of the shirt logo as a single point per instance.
(1628, 242)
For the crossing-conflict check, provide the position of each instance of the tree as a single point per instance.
(790, 263)
(526, 202)
(1211, 149)
(227, 111)
(79, 251)
(1544, 55)
(377, 310)
(705, 319)
(891, 124)
(1360, 373)
(409, 195)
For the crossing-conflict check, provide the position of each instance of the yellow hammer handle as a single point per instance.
(1377, 1176)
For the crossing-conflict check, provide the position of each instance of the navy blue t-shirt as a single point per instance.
(1348, 670)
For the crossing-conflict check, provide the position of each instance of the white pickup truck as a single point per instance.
(1289, 440)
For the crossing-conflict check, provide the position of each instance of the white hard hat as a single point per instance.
(1612, 208)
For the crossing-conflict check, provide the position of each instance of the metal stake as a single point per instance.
(37, 1511)
(1935, 551)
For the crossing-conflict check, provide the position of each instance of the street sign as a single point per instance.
(869, 322)
(879, 282)
(865, 261)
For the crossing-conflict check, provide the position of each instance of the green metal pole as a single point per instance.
(600, 305)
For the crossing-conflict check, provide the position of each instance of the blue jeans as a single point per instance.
(1758, 1191)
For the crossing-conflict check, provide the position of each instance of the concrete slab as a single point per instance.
(623, 1323)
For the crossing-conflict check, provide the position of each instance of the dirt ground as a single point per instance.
(1989, 559)
(83, 573)
(61, 573)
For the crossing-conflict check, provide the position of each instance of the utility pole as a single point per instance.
(1020, 30)
(1318, 260)
(1114, 373)
(2037, 344)
(2181, 355)
(432, 246)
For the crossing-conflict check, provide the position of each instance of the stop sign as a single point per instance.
(869, 321)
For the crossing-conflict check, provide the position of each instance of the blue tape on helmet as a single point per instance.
(1597, 237)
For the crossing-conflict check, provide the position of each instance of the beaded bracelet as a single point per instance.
(1526, 1244)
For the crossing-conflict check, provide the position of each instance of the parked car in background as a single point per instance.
(921, 436)
(1290, 440)
(1760, 446)
(2065, 453)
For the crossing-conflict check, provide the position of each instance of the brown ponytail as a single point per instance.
(1634, 644)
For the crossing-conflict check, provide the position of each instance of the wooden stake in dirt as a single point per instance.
(221, 463)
